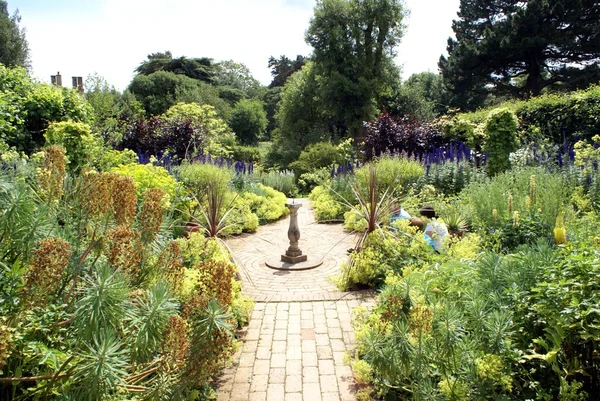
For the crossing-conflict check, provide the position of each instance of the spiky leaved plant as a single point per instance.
(373, 204)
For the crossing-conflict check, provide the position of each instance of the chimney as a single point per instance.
(78, 84)
(56, 79)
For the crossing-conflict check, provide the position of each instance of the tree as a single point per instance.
(202, 69)
(238, 76)
(520, 47)
(300, 117)
(282, 68)
(161, 90)
(248, 121)
(14, 50)
(354, 43)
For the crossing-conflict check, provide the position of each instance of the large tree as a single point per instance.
(202, 68)
(520, 47)
(161, 90)
(282, 68)
(354, 43)
(14, 50)
(236, 76)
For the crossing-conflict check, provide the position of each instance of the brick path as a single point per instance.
(301, 327)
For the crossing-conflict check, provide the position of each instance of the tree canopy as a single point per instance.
(196, 68)
(520, 47)
(354, 44)
(162, 89)
(283, 67)
(14, 49)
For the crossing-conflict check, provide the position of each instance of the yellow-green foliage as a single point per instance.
(587, 154)
(354, 221)
(241, 217)
(382, 255)
(114, 158)
(197, 177)
(205, 119)
(326, 205)
(491, 368)
(82, 146)
(467, 247)
(241, 305)
(454, 389)
(147, 176)
(197, 248)
(363, 372)
(267, 203)
(392, 171)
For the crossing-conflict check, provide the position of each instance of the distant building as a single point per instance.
(77, 82)
(56, 79)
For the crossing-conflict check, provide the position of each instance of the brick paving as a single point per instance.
(300, 328)
(327, 242)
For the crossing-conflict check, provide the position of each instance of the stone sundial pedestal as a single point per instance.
(293, 259)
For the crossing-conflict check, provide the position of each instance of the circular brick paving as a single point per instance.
(326, 242)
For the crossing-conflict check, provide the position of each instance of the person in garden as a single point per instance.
(435, 230)
(399, 213)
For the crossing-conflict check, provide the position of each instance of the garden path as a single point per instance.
(300, 328)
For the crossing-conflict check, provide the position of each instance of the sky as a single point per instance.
(112, 37)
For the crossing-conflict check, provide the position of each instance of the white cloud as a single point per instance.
(115, 41)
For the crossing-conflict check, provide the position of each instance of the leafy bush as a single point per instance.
(83, 148)
(249, 121)
(282, 181)
(554, 116)
(398, 173)
(500, 129)
(267, 203)
(249, 154)
(383, 255)
(397, 136)
(307, 181)
(113, 158)
(28, 107)
(316, 156)
(326, 205)
(147, 176)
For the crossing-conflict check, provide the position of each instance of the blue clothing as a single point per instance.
(429, 241)
(402, 214)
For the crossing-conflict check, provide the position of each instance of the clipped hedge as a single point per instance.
(559, 117)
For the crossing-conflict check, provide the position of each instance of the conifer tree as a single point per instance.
(521, 47)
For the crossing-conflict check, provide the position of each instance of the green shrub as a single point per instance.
(326, 205)
(147, 176)
(384, 254)
(250, 154)
(267, 203)
(500, 130)
(113, 158)
(317, 156)
(197, 176)
(249, 121)
(282, 181)
(533, 192)
(82, 147)
(241, 305)
(396, 172)
(307, 181)
(555, 116)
